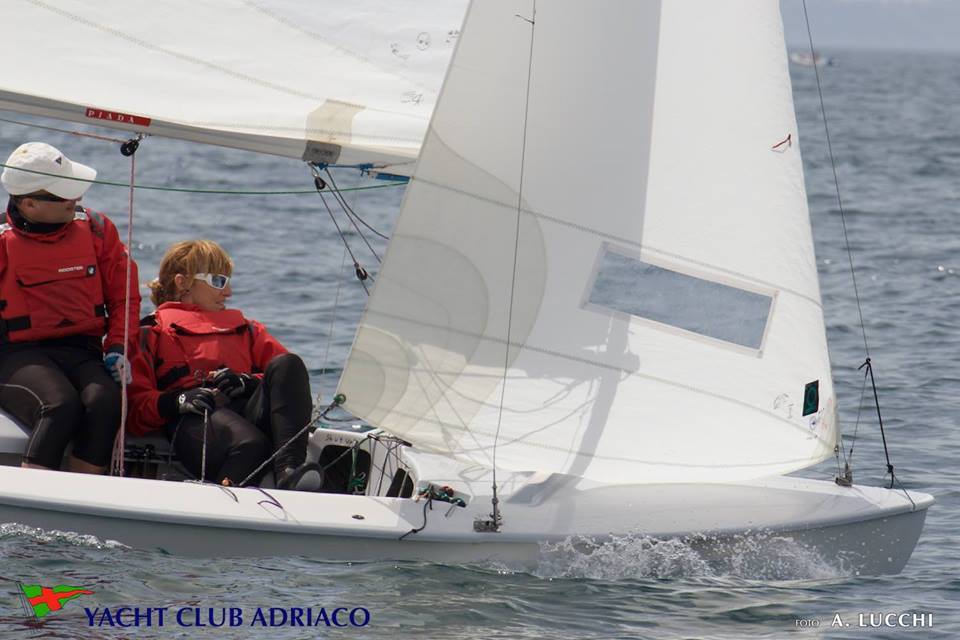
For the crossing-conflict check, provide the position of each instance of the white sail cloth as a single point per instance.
(293, 78)
(632, 227)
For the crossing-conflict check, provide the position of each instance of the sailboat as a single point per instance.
(599, 312)
(805, 59)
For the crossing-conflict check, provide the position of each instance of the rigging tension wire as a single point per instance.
(71, 132)
(846, 241)
(134, 143)
(496, 518)
(836, 180)
(844, 476)
(856, 425)
(225, 192)
(361, 273)
(333, 318)
(343, 203)
(883, 435)
(347, 210)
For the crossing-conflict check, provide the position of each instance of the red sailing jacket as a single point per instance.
(66, 283)
(184, 345)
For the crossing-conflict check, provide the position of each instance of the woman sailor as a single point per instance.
(223, 390)
(62, 298)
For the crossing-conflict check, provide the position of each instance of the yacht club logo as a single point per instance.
(39, 601)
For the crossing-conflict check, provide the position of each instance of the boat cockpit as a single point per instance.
(356, 458)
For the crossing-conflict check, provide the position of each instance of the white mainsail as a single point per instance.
(663, 316)
(348, 82)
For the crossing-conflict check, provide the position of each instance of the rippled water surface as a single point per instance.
(894, 123)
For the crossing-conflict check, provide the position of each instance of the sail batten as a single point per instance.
(665, 327)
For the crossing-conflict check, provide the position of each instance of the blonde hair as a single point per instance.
(189, 258)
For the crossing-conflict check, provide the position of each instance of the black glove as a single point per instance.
(233, 384)
(196, 400)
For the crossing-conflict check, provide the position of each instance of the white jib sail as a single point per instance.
(665, 322)
(350, 82)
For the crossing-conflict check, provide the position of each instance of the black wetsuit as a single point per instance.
(242, 434)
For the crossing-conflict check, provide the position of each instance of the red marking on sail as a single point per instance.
(784, 144)
(116, 116)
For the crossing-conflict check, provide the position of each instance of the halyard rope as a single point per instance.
(203, 448)
(120, 441)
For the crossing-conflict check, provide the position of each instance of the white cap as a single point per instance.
(45, 169)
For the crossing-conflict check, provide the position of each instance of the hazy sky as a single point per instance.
(874, 24)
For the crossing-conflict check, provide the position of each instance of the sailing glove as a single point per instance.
(196, 400)
(233, 384)
(117, 365)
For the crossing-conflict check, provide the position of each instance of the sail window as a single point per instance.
(629, 285)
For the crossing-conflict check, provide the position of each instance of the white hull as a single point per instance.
(860, 529)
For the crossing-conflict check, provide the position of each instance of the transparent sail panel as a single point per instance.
(629, 285)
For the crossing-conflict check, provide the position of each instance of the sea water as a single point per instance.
(895, 128)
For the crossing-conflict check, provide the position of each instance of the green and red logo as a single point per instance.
(45, 600)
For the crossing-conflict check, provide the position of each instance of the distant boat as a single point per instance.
(804, 59)
(600, 296)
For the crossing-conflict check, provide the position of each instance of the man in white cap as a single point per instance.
(62, 300)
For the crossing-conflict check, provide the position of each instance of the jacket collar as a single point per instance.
(36, 230)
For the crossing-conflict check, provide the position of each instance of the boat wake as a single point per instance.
(22, 532)
(754, 557)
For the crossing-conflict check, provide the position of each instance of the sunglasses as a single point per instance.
(215, 280)
(46, 197)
